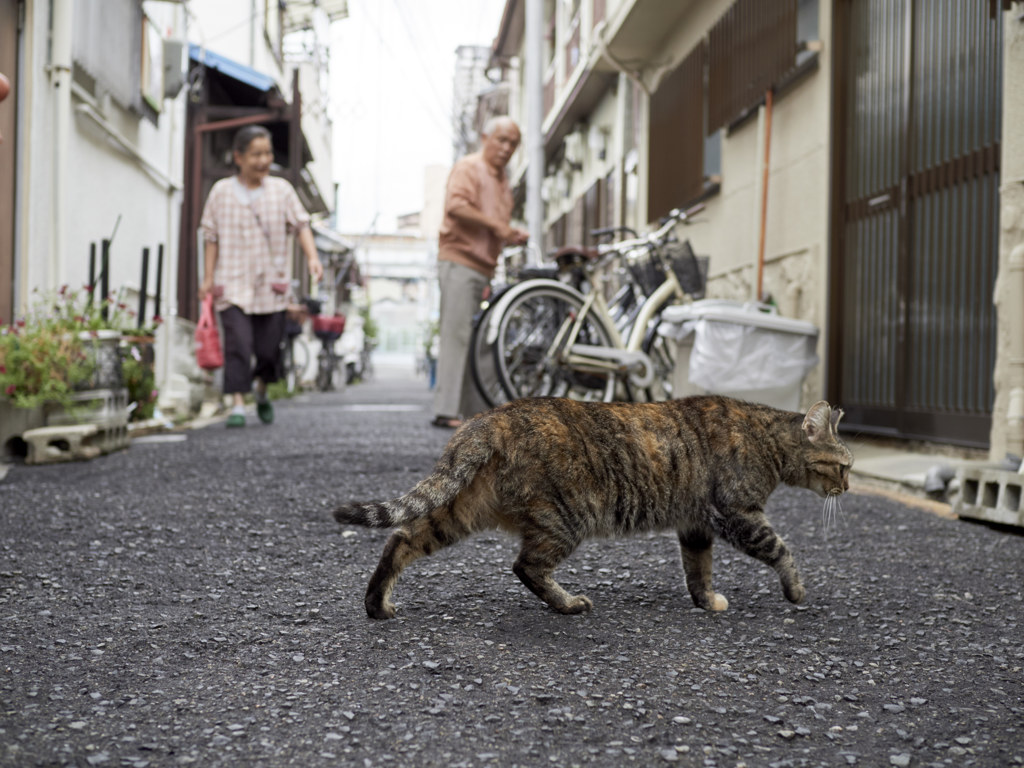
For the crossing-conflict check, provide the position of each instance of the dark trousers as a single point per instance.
(246, 336)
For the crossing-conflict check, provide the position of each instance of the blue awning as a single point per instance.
(232, 69)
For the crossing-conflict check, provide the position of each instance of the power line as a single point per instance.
(419, 55)
(425, 103)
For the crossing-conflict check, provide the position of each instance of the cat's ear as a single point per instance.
(837, 414)
(818, 421)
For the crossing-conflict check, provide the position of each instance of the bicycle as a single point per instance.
(295, 351)
(550, 339)
(328, 329)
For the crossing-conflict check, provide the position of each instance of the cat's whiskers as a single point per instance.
(831, 511)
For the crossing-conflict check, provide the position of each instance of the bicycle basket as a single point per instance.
(647, 273)
(691, 270)
(328, 328)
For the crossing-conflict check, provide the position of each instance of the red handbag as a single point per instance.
(209, 354)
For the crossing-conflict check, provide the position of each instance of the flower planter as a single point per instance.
(104, 350)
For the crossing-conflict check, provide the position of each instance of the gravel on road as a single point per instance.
(193, 603)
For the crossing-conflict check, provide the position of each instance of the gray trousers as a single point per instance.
(462, 289)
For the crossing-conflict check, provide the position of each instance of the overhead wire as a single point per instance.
(390, 51)
(423, 64)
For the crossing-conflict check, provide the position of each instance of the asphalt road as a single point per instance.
(193, 603)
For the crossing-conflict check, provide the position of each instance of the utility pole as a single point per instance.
(534, 85)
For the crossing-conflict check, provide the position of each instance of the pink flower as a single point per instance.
(11, 389)
(157, 320)
(3, 368)
(89, 288)
(63, 289)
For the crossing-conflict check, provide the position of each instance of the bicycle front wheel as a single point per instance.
(482, 362)
(528, 351)
(296, 363)
(325, 371)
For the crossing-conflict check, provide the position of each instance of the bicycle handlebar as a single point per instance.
(612, 230)
(650, 240)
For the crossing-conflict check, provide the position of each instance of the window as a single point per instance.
(152, 66)
(806, 28)
(549, 34)
(572, 46)
(107, 48)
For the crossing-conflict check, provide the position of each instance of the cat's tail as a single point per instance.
(467, 452)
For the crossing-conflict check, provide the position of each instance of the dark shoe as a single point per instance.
(266, 412)
(236, 420)
(446, 422)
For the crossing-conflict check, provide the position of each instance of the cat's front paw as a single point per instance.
(578, 604)
(718, 602)
(710, 601)
(795, 593)
(380, 610)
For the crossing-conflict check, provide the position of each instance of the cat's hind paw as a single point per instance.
(795, 593)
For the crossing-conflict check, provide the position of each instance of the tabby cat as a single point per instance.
(557, 472)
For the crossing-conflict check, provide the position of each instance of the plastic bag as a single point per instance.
(209, 354)
(730, 357)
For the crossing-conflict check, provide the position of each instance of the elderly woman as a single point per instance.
(245, 225)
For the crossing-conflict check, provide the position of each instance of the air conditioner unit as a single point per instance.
(174, 71)
(574, 150)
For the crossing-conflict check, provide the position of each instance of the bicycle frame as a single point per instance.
(625, 358)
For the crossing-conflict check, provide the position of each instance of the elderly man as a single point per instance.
(477, 210)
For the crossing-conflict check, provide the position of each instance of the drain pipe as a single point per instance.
(766, 169)
(59, 70)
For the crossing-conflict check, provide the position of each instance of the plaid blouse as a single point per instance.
(251, 227)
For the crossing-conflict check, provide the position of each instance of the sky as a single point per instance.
(392, 63)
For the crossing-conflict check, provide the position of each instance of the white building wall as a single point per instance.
(72, 190)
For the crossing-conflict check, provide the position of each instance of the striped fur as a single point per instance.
(557, 472)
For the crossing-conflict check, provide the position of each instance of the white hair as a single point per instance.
(493, 123)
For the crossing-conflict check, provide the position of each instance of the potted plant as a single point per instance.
(62, 356)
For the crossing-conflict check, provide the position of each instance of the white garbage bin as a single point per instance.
(741, 350)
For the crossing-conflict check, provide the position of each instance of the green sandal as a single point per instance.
(266, 412)
(236, 420)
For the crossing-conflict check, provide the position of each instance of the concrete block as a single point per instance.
(66, 442)
(106, 409)
(993, 495)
